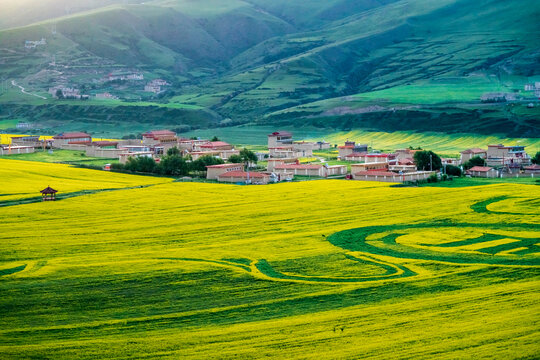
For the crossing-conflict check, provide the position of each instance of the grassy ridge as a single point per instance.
(206, 270)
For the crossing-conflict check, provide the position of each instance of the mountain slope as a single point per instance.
(331, 60)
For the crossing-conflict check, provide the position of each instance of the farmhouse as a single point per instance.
(214, 171)
(482, 171)
(470, 153)
(63, 140)
(249, 177)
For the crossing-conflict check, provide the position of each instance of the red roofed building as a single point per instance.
(351, 147)
(71, 138)
(482, 171)
(155, 137)
(214, 171)
(215, 145)
(250, 177)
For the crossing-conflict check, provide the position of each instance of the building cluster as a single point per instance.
(66, 93)
(154, 144)
(533, 87)
(31, 44)
(124, 77)
(284, 159)
(156, 86)
(500, 161)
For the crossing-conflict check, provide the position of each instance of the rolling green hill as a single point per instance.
(340, 64)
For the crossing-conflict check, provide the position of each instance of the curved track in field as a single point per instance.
(262, 268)
(493, 244)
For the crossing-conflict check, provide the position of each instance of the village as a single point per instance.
(286, 159)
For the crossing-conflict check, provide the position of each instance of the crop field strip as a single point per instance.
(337, 268)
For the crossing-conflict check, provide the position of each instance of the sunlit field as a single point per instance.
(319, 269)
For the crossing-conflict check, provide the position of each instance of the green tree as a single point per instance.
(248, 155)
(536, 158)
(235, 159)
(174, 151)
(427, 160)
(215, 138)
(475, 161)
(201, 163)
(173, 165)
(453, 170)
(141, 164)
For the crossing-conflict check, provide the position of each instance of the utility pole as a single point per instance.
(430, 162)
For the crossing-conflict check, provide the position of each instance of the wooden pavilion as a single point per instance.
(48, 194)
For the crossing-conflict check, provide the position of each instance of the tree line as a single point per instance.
(174, 164)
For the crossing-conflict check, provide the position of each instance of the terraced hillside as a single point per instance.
(340, 269)
(385, 65)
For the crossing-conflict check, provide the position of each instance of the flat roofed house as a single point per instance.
(468, 154)
(214, 171)
(280, 138)
(63, 139)
(482, 171)
(250, 177)
(157, 137)
(301, 169)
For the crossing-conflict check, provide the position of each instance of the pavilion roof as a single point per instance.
(48, 190)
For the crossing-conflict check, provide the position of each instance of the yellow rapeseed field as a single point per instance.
(323, 269)
(24, 179)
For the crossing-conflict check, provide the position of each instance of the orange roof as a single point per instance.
(73, 135)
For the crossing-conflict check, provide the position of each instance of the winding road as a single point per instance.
(26, 92)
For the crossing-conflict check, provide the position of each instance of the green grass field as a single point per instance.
(327, 269)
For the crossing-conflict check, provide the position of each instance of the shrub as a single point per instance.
(453, 170)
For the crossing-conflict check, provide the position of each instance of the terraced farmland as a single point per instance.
(326, 269)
